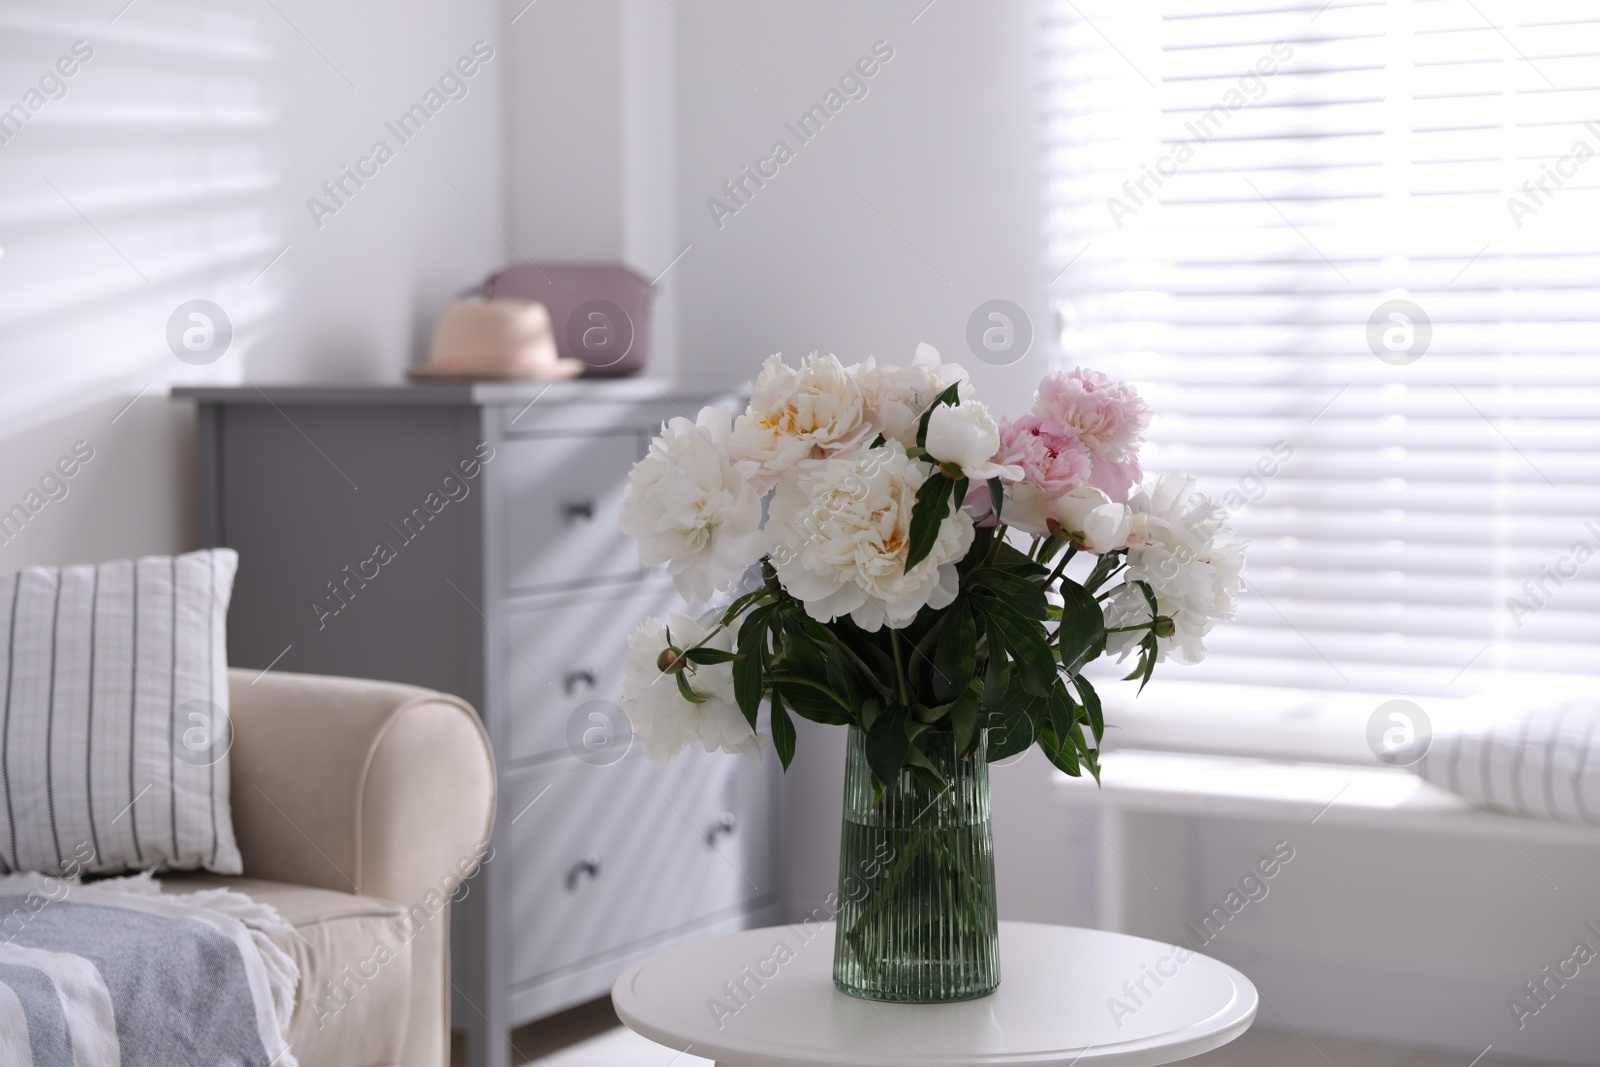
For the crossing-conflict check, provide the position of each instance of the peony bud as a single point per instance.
(966, 438)
(1089, 512)
(671, 660)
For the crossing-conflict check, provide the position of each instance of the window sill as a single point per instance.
(1206, 718)
(1327, 794)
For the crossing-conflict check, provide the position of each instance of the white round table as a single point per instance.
(765, 998)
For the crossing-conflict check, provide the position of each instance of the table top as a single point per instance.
(765, 998)
(583, 391)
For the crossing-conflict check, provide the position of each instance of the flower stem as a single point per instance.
(899, 668)
(721, 626)
(1065, 558)
(999, 539)
(867, 671)
(1108, 566)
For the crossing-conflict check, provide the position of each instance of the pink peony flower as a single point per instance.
(1109, 419)
(1051, 455)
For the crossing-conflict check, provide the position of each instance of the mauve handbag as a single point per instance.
(600, 311)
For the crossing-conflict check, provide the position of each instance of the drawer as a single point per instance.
(568, 652)
(562, 503)
(611, 858)
(730, 802)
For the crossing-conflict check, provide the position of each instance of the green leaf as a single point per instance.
(1010, 724)
(1022, 597)
(1149, 646)
(1012, 558)
(870, 710)
(982, 538)
(920, 668)
(733, 610)
(802, 654)
(875, 666)
(1091, 706)
(927, 514)
(1083, 627)
(1051, 548)
(1056, 739)
(951, 396)
(841, 679)
(1093, 763)
(1084, 751)
(813, 704)
(687, 690)
(955, 657)
(1028, 646)
(782, 730)
(921, 766)
(964, 718)
(1149, 596)
(997, 497)
(750, 672)
(707, 655)
(887, 744)
(1088, 757)
(996, 676)
(1146, 664)
(1063, 711)
(1061, 753)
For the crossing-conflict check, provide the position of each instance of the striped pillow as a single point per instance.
(1543, 763)
(114, 732)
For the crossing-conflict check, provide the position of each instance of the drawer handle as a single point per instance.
(726, 824)
(589, 865)
(583, 675)
(573, 510)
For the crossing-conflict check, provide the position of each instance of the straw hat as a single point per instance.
(496, 340)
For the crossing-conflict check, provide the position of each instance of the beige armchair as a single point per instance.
(359, 808)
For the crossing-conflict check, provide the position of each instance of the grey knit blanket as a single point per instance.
(115, 974)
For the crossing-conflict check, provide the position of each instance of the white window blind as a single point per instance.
(1236, 186)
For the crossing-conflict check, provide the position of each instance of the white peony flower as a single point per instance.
(812, 412)
(1103, 524)
(666, 722)
(967, 436)
(1182, 546)
(842, 531)
(690, 508)
(896, 397)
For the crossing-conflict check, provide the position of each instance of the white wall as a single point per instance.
(592, 144)
(945, 144)
(177, 166)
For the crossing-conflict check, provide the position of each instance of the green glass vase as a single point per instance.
(917, 921)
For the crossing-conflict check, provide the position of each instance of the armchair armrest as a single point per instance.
(364, 787)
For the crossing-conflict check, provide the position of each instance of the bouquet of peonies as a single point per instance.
(890, 586)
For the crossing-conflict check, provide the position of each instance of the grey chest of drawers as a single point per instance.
(464, 537)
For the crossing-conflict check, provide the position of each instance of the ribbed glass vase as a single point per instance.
(917, 921)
